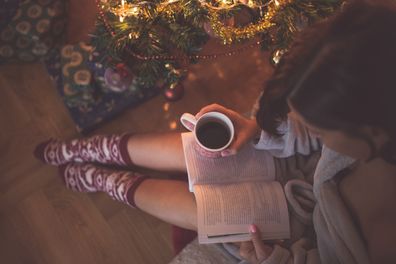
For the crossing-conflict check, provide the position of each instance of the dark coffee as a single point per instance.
(213, 135)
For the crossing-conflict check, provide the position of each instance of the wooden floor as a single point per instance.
(43, 222)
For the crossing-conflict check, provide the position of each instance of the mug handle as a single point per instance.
(188, 121)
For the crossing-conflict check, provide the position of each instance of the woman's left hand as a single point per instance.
(255, 251)
(245, 128)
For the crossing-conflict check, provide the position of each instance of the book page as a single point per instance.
(248, 164)
(226, 211)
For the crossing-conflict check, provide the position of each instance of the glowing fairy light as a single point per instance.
(135, 10)
(173, 125)
(122, 8)
(125, 10)
(227, 33)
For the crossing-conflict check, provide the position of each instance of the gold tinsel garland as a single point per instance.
(230, 34)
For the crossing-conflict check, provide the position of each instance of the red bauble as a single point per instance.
(174, 92)
(123, 70)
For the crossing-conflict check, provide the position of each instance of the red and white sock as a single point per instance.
(111, 149)
(85, 177)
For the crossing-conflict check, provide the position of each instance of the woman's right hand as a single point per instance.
(245, 129)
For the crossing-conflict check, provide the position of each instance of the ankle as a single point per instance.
(131, 193)
(125, 142)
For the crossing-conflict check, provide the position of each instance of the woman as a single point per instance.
(336, 84)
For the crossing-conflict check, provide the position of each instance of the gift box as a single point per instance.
(93, 92)
(93, 89)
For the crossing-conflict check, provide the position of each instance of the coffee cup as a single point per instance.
(213, 132)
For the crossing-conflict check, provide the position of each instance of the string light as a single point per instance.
(194, 57)
(122, 8)
(225, 6)
(173, 58)
(125, 10)
(228, 34)
(128, 9)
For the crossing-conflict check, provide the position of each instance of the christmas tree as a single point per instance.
(155, 38)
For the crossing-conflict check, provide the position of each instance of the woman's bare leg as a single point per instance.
(159, 151)
(169, 201)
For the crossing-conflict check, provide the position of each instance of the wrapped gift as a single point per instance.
(92, 88)
(31, 29)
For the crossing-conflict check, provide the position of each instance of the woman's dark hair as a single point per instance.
(340, 74)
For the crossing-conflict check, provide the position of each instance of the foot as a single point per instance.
(85, 177)
(102, 149)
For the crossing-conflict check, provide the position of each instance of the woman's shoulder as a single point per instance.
(369, 192)
(377, 178)
(370, 187)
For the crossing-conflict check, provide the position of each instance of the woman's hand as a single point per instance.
(245, 128)
(255, 251)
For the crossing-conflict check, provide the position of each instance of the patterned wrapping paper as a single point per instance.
(7, 11)
(34, 30)
(79, 77)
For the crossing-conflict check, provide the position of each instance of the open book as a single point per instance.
(233, 192)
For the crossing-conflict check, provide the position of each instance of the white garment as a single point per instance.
(338, 240)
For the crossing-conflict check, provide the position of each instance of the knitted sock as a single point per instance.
(85, 177)
(112, 149)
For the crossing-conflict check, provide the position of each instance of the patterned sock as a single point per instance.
(85, 177)
(112, 149)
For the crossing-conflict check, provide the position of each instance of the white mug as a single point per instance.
(210, 122)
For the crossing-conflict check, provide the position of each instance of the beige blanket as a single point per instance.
(322, 227)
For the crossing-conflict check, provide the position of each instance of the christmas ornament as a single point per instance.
(174, 92)
(118, 80)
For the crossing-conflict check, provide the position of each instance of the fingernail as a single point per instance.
(252, 229)
(228, 152)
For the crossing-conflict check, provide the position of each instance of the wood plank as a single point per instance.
(91, 235)
(40, 231)
(139, 233)
(43, 222)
